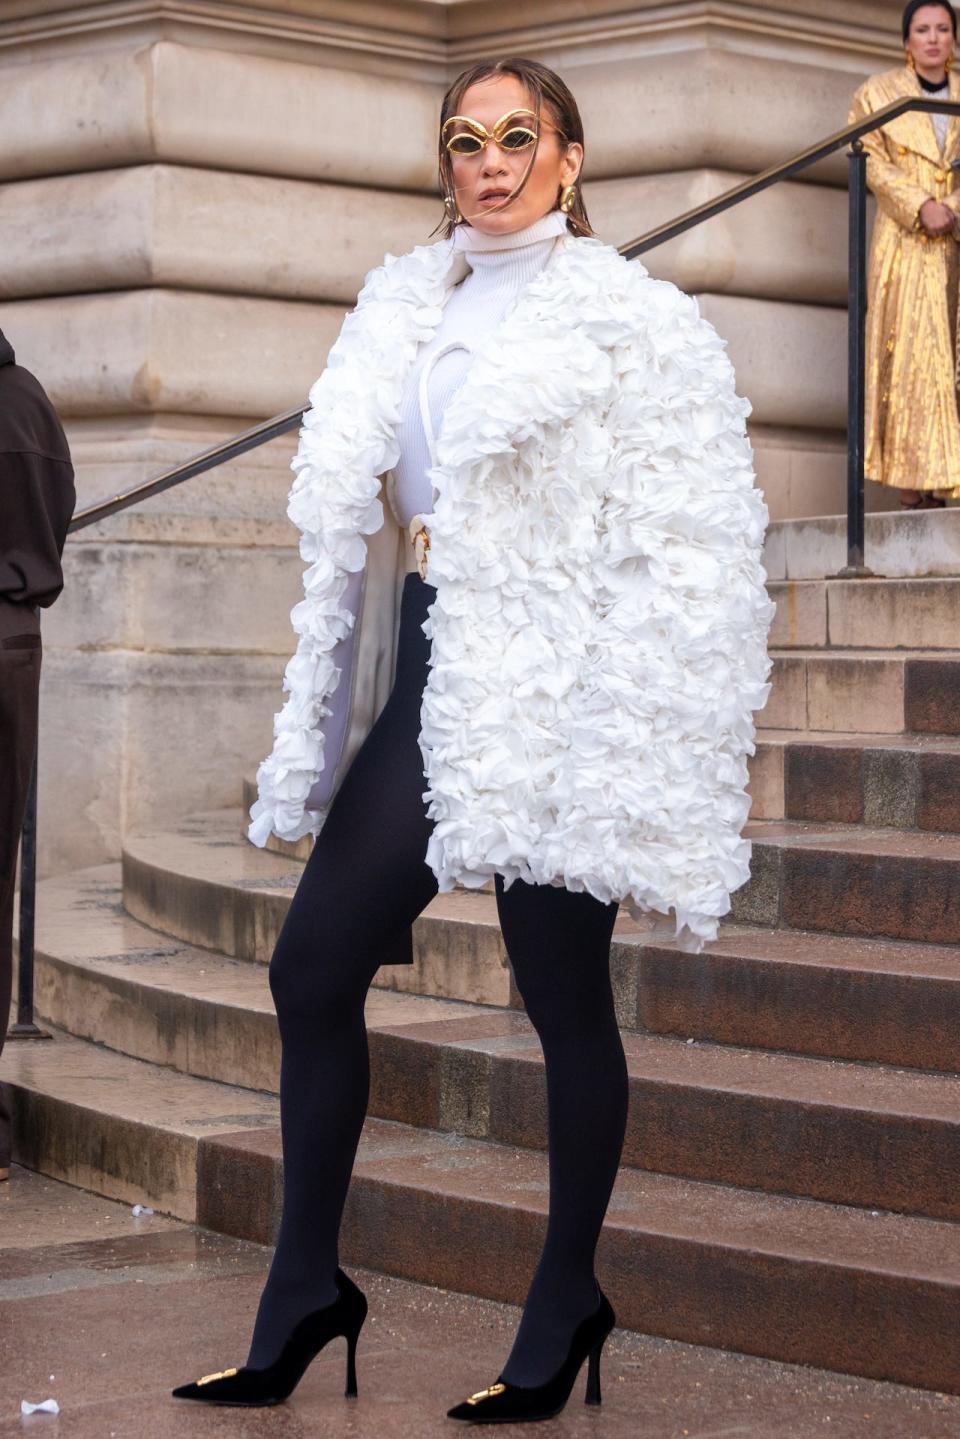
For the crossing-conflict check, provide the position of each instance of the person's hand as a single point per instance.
(935, 218)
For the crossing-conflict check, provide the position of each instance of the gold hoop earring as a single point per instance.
(911, 63)
(452, 210)
(568, 198)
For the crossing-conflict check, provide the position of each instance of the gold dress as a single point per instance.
(912, 425)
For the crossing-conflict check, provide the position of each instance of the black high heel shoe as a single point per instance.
(277, 1382)
(513, 1403)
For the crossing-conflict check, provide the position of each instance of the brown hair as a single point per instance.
(545, 88)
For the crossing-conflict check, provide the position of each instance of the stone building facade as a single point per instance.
(191, 193)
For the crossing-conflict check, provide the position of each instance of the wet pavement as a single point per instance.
(105, 1312)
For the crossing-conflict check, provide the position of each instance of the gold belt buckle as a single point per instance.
(420, 536)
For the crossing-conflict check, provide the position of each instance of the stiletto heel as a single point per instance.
(250, 1387)
(506, 1403)
(351, 1389)
(593, 1375)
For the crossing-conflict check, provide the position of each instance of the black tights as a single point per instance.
(364, 883)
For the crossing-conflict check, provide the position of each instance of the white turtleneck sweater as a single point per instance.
(500, 268)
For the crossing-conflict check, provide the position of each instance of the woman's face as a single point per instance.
(930, 41)
(484, 180)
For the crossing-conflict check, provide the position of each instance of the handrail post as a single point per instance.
(25, 1027)
(856, 364)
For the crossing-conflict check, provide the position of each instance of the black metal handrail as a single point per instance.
(209, 459)
(802, 161)
(281, 424)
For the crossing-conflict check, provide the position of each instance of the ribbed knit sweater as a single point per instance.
(501, 266)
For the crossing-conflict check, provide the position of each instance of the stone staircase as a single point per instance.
(788, 1186)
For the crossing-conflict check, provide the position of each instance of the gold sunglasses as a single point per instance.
(462, 136)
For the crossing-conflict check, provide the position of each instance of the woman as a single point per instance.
(574, 685)
(912, 425)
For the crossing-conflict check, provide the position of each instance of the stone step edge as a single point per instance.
(81, 1114)
(858, 653)
(239, 912)
(849, 879)
(242, 932)
(507, 1026)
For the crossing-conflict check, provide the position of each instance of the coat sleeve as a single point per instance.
(37, 498)
(897, 194)
(685, 612)
(335, 504)
(335, 720)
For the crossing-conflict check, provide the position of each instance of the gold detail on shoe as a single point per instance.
(209, 1378)
(486, 1393)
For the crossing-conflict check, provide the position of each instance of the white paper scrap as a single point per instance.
(46, 1406)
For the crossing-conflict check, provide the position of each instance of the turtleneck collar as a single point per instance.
(932, 87)
(548, 227)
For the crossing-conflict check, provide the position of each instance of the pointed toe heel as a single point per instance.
(275, 1383)
(505, 1403)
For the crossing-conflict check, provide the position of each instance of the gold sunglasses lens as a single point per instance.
(464, 143)
(519, 138)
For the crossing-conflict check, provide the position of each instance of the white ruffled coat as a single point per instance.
(599, 629)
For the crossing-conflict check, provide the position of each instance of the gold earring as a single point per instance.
(911, 63)
(568, 198)
(452, 210)
(949, 62)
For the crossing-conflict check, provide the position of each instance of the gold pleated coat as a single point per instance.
(912, 424)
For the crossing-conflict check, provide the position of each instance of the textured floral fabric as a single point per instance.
(912, 424)
(599, 632)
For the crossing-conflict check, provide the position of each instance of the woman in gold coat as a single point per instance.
(912, 423)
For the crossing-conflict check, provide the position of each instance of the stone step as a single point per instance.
(853, 1133)
(898, 545)
(836, 996)
(119, 1126)
(848, 995)
(760, 1274)
(848, 879)
(205, 884)
(202, 882)
(881, 614)
(902, 781)
(862, 691)
(112, 980)
(866, 1293)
